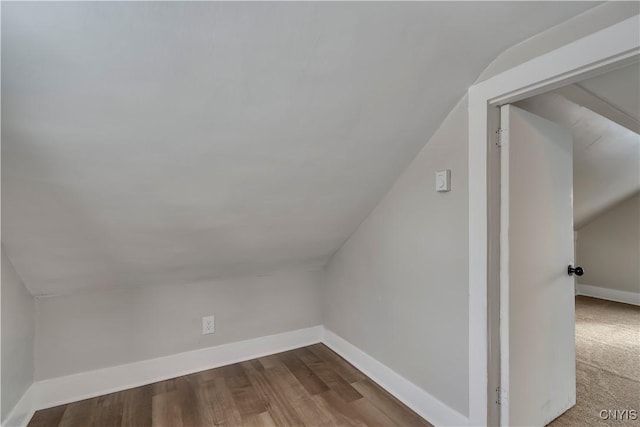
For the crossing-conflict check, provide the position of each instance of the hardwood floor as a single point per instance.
(309, 386)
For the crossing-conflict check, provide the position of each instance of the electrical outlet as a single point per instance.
(208, 325)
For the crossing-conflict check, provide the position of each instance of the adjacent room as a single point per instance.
(268, 214)
(602, 115)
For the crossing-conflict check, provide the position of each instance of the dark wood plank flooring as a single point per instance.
(309, 386)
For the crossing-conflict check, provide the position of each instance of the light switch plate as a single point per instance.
(443, 181)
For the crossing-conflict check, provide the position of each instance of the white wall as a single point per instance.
(405, 269)
(398, 288)
(103, 328)
(18, 334)
(608, 248)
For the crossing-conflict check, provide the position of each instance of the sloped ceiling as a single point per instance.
(620, 88)
(149, 143)
(606, 156)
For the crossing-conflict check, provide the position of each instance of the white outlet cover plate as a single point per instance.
(208, 325)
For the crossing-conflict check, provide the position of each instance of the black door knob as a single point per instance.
(578, 271)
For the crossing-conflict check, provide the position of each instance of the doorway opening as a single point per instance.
(570, 232)
(602, 51)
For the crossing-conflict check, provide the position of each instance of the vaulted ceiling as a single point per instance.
(620, 88)
(606, 155)
(153, 142)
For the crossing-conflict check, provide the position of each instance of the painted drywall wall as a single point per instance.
(18, 335)
(398, 288)
(109, 327)
(404, 271)
(608, 248)
(143, 323)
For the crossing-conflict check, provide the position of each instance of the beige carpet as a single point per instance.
(608, 362)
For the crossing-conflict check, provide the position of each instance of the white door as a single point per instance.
(537, 309)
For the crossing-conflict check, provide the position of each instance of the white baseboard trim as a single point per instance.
(608, 294)
(72, 388)
(427, 406)
(22, 412)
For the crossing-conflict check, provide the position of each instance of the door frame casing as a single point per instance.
(597, 53)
